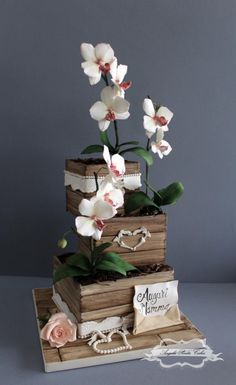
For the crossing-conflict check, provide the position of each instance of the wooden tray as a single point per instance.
(78, 354)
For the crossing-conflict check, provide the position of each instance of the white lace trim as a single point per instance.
(87, 184)
(86, 329)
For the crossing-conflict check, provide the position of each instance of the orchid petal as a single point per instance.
(148, 107)
(91, 69)
(160, 135)
(103, 210)
(103, 124)
(120, 105)
(149, 124)
(107, 95)
(88, 52)
(98, 111)
(94, 80)
(113, 68)
(106, 155)
(86, 208)
(119, 163)
(97, 234)
(104, 52)
(166, 113)
(85, 226)
(123, 116)
(121, 72)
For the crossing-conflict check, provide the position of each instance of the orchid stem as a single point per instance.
(147, 167)
(116, 134)
(96, 180)
(114, 121)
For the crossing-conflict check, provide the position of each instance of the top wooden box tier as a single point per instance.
(81, 171)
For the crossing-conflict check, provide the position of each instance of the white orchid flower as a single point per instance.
(115, 164)
(153, 119)
(111, 107)
(118, 73)
(98, 60)
(110, 194)
(94, 211)
(161, 146)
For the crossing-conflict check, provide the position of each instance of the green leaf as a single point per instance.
(99, 249)
(79, 260)
(169, 194)
(140, 151)
(105, 140)
(138, 200)
(116, 259)
(110, 266)
(64, 271)
(134, 142)
(94, 148)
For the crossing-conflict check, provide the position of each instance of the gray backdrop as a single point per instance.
(182, 53)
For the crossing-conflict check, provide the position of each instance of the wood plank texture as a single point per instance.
(79, 354)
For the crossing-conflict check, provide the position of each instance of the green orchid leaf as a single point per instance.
(116, 259)
(134, 142)
(99, 249)
(79, 260)
(105, 140)
(140, 151)
(110, 266)
(64, 271)
(94, 148)
(169, 195)
(137, 201)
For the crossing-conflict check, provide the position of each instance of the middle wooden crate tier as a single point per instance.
(149, 252)
(97, 301)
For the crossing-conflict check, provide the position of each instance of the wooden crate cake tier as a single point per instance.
(140, 240)
(98, 301)
(80, 180)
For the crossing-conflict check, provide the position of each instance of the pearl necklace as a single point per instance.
(107, 339)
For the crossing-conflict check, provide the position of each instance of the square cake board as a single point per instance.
(79, 354)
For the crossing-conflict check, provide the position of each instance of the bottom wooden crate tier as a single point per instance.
(78, 354)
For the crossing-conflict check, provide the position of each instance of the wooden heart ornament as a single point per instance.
(145, 234)
(107, 339)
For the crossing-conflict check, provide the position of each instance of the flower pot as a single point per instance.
(143, 241)
(97, 301)
(80, 180)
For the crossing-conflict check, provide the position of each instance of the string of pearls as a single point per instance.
(106, 339)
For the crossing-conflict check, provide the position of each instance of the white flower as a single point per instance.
(113, 196)
(161, 147)
(97, 60)
(153, 119)
(94, 211)
(118, 73)
(111, 107)
(115, 164)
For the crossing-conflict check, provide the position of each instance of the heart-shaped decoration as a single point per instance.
(145, 234)
(107, 339)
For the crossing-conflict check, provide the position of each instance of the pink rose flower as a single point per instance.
(59, 330)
